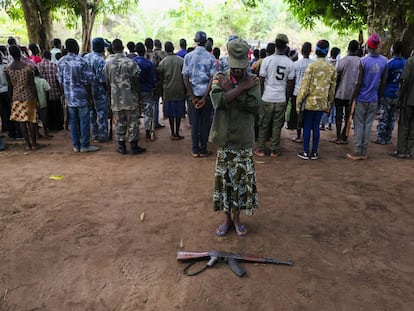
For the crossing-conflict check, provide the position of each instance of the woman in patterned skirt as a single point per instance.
(20, 76)
(236, 97)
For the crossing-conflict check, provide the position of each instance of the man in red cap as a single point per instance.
(369, 87)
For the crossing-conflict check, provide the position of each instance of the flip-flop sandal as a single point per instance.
(296, 140)
(222, 230)
(241, 230)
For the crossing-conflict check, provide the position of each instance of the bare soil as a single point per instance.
(106, 235)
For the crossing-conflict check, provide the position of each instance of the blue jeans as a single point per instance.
(79, 126)
(200, 126)
(363, 118)
(311, 120)
(329, 118)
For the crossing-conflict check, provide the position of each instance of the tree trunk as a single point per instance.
(38, 22)
(88, 13)
(389, 21)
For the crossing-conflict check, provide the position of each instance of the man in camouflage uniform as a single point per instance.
(122, 80)
(99, 110)
(198, 71)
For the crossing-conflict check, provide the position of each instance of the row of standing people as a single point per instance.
(86, 83)
(237, 98)
(354, 78)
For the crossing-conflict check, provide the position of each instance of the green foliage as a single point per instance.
(340, 15)
(260, 22)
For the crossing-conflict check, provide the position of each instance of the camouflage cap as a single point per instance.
(282, 37)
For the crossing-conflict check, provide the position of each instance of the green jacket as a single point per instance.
(233, 123)
(169, 73)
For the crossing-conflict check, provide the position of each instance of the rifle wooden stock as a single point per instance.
(192, 255)
(349, 121)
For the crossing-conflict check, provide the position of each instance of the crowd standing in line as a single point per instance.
(231, 99)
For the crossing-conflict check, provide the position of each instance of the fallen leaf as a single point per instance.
(142, 216)
(327, 262)
(56, 177)
(345, 251)
(260, 162)
(181, 244)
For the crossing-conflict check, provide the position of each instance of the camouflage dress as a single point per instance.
(235, 181)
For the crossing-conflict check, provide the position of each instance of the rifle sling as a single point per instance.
(185, 271)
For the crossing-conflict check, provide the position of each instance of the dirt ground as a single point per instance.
(80, 243)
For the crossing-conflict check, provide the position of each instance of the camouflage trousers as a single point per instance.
(126, 121)
(387, 115)
(99, 118)
(148, 101)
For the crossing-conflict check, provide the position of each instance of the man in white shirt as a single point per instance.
(277, 81)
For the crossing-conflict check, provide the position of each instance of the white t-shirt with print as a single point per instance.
(276, 70)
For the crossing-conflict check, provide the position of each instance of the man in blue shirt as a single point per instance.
(198, 71)
(388, 103)
(368, 89)
(99, 110)
(147, 86)
(183, 48)
(75, 75)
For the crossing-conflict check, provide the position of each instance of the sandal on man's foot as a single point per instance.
(296, 140)
(240, 230)
(335, 141)
(38, 146)
(222, 230)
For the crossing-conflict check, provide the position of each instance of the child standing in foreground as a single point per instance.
(236, 97)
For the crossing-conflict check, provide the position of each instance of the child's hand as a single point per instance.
(224, 82)
(249, 82)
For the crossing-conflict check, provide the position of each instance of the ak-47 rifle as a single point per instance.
(231, 258)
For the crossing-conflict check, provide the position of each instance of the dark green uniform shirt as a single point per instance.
(233, 123)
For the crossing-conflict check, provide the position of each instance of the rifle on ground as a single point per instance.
(349, 121)
(231, 258)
